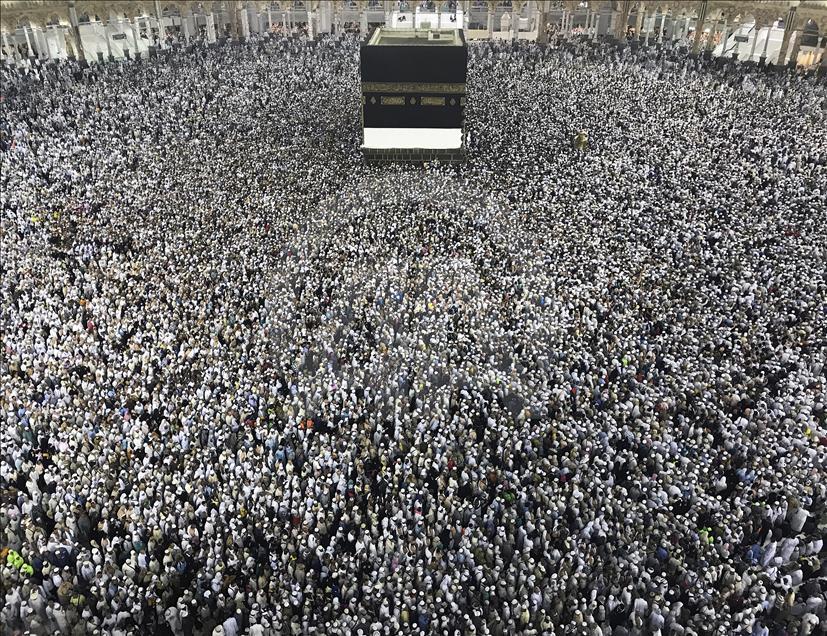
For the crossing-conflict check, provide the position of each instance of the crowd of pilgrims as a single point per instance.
(251, 385)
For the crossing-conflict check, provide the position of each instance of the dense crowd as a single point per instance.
(251, 385)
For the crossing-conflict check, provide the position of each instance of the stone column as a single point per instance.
(43, 52)
(30, 51)
(65, 39)
(793, 61)
(641, 16)
(541, 18)
(135, 37)
(59, 38)
(311, 17)
(363, 21)
(234, 28)
(73, 22)
(159, 16)
(789, 27)
(324, 16)
(711, 37)
(71, 47)
(515, 23)
(45, 34)
(595, 24)
(185, 25)
(699, 27)
(210, 28)
(763, 58)
(757, 31)
(9, 48)
(490, 23)
(15, 50)
(108, 36)
(724, 35)
(39, 36)
(40, 43)
(245, 23)
(738, 32)
(34, 46)
(621, 19)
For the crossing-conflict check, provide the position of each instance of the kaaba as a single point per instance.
(413, 95)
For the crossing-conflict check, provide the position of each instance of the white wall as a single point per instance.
(775, 35)
(94, 40)
(56, 41)
(94, 35)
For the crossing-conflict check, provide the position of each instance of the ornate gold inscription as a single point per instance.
(402, 87)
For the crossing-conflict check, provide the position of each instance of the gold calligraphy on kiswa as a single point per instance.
(418, 87)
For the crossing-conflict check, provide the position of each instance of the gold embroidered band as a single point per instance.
(402, 87)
